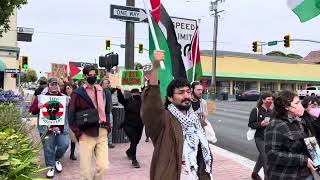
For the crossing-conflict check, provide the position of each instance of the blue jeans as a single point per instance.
(310, 177)
(54, 147)
(111, 125)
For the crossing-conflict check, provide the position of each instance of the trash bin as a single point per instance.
(118, 134)
(224, 96)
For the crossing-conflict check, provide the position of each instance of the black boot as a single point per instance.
(135, 164)
(73, 147)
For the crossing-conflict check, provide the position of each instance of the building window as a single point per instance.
(267, 86)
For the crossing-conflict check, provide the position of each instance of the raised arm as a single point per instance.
(152, 109)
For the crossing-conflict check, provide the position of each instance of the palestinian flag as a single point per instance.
(166, 35)
(195, 58)
(305, 9)
(54, 106)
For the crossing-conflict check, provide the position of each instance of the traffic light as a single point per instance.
(286, 40)
(140, 48)
(255, 46)
(24, 62)
(109, 60)
(108, 45)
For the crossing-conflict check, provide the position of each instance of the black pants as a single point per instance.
(134, 134)
(73, 147)
(262, 158)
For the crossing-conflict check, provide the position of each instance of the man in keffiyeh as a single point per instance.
(181, 149)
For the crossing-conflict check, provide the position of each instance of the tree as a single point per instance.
(295, 56)
(7, 8)
(32, 76)
(282, 54)
(276, 53)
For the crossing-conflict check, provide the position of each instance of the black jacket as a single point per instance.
(312, 124)
(132, 108)
(255, 121)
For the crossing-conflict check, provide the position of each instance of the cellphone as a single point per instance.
(266, 119)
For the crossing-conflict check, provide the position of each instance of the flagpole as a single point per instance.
(153, 33)
(196, 53)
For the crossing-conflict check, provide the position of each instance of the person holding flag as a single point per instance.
(181, 149)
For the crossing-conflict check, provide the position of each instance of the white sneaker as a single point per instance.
(58, 166)
(50, 173)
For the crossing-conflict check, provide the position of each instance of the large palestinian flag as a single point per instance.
(167, 39)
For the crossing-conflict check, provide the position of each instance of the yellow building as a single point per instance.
(244, 71)
(9, 53)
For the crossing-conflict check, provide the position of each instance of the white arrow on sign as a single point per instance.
(128, 13)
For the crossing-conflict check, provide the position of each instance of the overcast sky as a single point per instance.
(57, 23)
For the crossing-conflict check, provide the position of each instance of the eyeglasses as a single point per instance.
(183, 92)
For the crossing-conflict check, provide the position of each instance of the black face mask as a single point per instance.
(91, 80)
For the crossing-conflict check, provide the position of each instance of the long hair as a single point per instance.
(262, 97)
(281, 102)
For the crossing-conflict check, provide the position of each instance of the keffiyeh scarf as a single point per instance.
(193, 134)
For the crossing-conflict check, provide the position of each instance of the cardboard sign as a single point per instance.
(211, 106)
(53, 111)
(114, 80)
(131, 79)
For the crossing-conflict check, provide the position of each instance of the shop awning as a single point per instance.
(2, 66)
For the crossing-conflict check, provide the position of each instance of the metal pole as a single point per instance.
(214, 52)
(129, 51)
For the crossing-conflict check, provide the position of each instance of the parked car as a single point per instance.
(250, 95)
(310, 91)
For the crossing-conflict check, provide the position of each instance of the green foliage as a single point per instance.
(18, 157)
(276, 53)
(18, 153)
(9, 117)
(295, 56)
(31, 76)
(282, 54)
(7, 8)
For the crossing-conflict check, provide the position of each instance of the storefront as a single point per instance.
(237, 72)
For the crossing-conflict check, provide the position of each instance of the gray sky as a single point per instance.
(242, 22)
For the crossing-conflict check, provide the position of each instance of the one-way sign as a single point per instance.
(12, 70)
(127, 13)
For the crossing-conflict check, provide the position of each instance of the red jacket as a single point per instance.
(79, 102)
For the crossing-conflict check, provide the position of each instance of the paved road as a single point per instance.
(230, 123)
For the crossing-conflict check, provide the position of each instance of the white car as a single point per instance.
(310, 91)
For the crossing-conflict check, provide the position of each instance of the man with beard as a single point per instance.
(181, 149)
(56, 142)
(199, 105)
(132, 124)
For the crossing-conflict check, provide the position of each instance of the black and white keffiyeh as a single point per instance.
(193, 134)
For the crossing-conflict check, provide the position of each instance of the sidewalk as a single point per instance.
(225, 165)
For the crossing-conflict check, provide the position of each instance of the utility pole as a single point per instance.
(214, 9)
(129, 51)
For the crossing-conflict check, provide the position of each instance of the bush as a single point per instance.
(18, 153)
(18, 156)
(10, 117)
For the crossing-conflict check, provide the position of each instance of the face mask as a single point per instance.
(268, 104)
(314, 112)
(91, 80)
